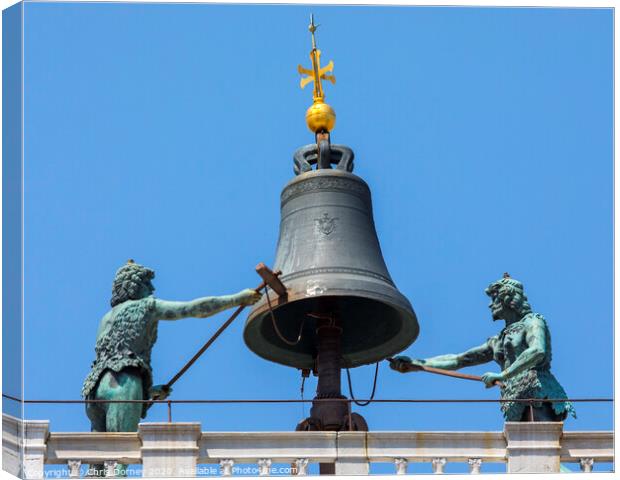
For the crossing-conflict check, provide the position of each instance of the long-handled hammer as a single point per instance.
(448, 373)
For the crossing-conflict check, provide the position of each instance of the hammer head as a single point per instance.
(271, 279)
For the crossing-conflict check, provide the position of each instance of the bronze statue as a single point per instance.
(126, 335)
(522, 350)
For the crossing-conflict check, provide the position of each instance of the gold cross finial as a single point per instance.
(317, 73)
(320, 116)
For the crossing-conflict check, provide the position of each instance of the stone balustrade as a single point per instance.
(179, 449)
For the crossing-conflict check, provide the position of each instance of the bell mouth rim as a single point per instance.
(302, 359)
(262, 306)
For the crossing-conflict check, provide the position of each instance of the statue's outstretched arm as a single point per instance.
(452, 361)
(203, 307)
(535, 336)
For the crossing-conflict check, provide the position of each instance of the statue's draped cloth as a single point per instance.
(126, 340)
(536, 382)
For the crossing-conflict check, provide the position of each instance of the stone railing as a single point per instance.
(179, 449)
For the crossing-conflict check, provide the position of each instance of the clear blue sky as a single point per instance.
(165, 133)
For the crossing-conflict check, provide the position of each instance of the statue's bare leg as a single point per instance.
(121, 417)
(96, 414)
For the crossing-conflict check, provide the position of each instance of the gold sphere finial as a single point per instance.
(320, 117)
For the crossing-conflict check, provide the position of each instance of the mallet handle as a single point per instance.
(450, 373)
(269, 278)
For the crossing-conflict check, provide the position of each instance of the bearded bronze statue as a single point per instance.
(126, 335)
(522, 350)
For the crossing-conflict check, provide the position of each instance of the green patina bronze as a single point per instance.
(126, 335)
(522, 350)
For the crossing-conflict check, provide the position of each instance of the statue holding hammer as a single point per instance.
(522, 350)
(126, 335)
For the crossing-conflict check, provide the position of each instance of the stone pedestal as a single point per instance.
(35, 448)
(533, 447)
(169, 449)
(352, 454)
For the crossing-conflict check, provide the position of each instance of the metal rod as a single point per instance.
(202, 350)
(169, 411)
(350, 417)
(244, 401)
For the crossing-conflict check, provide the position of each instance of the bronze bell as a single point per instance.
(331, 264)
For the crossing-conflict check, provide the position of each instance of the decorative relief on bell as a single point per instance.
(325, 183)
(326, 224)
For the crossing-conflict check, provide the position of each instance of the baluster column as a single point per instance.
(74, 468)
(109, 468)
(401, 466)
(264, 467)
(474, 465)
(586, 465)
(438, 464)
(226, 466)
(301, 464)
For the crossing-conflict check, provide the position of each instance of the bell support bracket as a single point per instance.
(339, 155)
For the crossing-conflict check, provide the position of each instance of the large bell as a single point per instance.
(331, 264)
